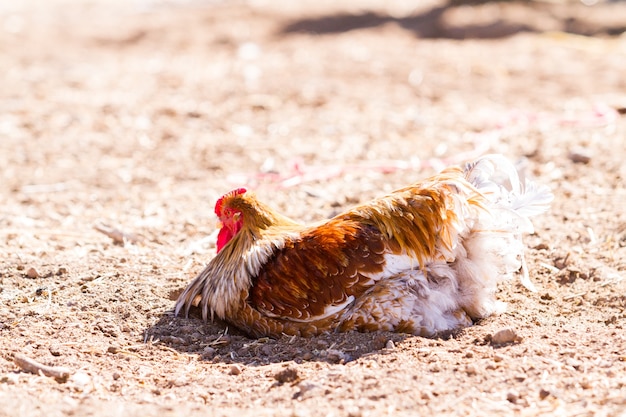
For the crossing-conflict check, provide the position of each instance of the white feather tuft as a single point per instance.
(534, 200)
(494, 248)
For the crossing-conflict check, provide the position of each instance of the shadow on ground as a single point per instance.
(220, 343)
(483, 20)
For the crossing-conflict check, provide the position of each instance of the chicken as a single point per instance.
(424, 259)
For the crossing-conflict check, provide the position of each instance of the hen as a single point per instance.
(423, 259)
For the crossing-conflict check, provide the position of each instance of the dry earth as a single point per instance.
(138, 114)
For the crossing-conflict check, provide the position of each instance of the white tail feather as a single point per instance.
(534, 200)
(497, 178)
(494, 248)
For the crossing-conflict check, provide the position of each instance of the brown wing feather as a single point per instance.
(322, 268)
(421, 220)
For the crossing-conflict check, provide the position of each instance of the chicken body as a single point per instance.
(424, 259)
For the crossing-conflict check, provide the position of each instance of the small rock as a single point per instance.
(470, 370)
(390, 345)
(54, 350)
(208, 352)
(62, 271)
(335, 356)
(580, 156)
(498, 358)
(543, 394)
(503, 336)
(80, 380)
(32, 273)
(512, 397)
(113, 349)
(116, 376)
(287, 375)
(235, 369)
(42, 292)
(307, 356)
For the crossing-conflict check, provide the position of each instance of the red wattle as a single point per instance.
(223, 237)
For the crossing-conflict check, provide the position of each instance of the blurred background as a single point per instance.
(144, 112)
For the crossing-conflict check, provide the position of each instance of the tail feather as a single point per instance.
(497, 178)
(511, 204)
(534, 200)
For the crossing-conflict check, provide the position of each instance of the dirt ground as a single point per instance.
(137, 115)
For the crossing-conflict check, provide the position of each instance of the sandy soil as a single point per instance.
(137, 115)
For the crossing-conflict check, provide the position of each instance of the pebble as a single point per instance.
(54, 350)
(335, 356)
(287, 375)
(208, 351)
(503, 336)
(80, 380)
(235, 369)
(580, 156)
(390, 345)
(32, 273)
(512, 397)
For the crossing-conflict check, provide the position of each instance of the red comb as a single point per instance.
(220, 202)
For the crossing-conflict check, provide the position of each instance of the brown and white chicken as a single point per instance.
(423, 259)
